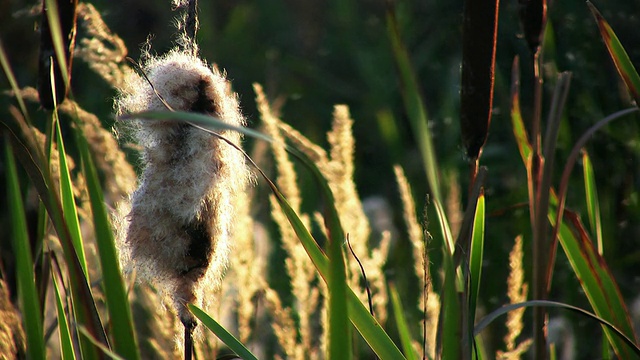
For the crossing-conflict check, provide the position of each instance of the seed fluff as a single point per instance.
(178, 224)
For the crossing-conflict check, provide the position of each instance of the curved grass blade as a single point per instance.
(27, 292)
(360, 317)
(633, 348)
(66, 344)
(591, 194)
(573, 157)
(597, 281)
(119, 310)
(234, 344)
(69, 209)
(401, 323)
(621, 60)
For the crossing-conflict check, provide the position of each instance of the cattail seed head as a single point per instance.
(178, 231)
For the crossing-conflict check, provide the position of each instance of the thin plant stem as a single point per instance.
(539, 238)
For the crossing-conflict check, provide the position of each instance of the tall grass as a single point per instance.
(332, 276)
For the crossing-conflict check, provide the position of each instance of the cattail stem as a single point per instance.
(188, 339)
(192, 24)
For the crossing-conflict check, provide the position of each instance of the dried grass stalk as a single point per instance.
(430, 301)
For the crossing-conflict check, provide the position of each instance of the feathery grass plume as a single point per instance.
(337, 167)
(284, 327)
(109, 158)
(12, 337)
(339, 171)
(429, 299)
(155, 325)
(104, 51)
(517, 293)
(180, 224)
(247, 269)
(299, 268)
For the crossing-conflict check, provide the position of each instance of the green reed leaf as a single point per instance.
(519, 130)
(417, 113)
(66, 344)
(596, 280)
(403, 327)
(27, 294)
(226, 337)
(475, 260)
(69, 208)
(117, 302)
(620, 58)
(591, 195)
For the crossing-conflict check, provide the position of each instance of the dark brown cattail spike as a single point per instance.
(48, 59)
(478, 62)
(533, 14)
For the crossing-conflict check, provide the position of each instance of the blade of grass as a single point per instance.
(69, 209)
(596, 280)
(592, 285)
(339, 329)
(401, 323)
(476, 256)
(591, 194)
(573, 157)
(24, 262)
(56, 47)
(66, 344)
(450, 319)
(519, 130)
(462, 257)
(633, 348)
(621, 60)
(226, 337)
(117, 303)
(418, 119)
(543, 258)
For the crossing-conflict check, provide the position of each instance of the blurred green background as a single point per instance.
(312, 54)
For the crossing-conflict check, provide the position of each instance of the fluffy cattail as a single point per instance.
(178, 230)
